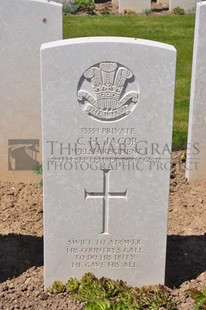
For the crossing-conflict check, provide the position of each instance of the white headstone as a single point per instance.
(24, 26)
(187, 5)
(137, 6)
(107, 127)
(196, 152)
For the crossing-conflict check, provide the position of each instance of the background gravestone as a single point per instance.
(137, 6)
(187, 5)
(24, 25)
(107, 127)
(196, 152)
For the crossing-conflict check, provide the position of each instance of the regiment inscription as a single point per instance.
(107, 99)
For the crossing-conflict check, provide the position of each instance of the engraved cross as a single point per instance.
(106, 195)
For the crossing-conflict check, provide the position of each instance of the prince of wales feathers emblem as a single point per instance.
(108, 100)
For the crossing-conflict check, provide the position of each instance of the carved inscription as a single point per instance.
(108, 148)
(112, 253)
(106, 195)
(107, 131)
(107, 153)
(102, 92)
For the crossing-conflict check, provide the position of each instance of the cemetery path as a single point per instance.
(21, 244)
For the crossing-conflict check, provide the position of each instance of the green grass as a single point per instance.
(174, 30)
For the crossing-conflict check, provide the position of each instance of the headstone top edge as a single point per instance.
(55, 3)
(43, 2)
(202, 3)
(88, 40)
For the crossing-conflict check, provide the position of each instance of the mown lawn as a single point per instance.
(175, 30)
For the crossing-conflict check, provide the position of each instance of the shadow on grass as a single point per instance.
(186, 258)
(19, 253)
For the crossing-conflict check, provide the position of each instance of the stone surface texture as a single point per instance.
(137, 6)
(107, 127)
(196, 152)
(24, 25)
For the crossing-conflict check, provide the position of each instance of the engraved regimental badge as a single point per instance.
(102, 92)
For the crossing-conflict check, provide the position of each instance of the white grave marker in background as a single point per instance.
(24, 26)
(107, 128)
(196, 152)
(137, 6)
(187, 5)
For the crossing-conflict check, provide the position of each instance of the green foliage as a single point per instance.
(120, 306)
(110, 287)
(90, 289)
(87, 6)
(106, 11)
(40, 185)
(178, 11)
(75, 6)
(71, 8)
(72, 285)
(57, 287)
(106, 294)
(98, 305)
(147, 12)
(199, 298)
(38, 170)
(129, 12)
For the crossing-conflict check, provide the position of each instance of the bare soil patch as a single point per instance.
(21, 245)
